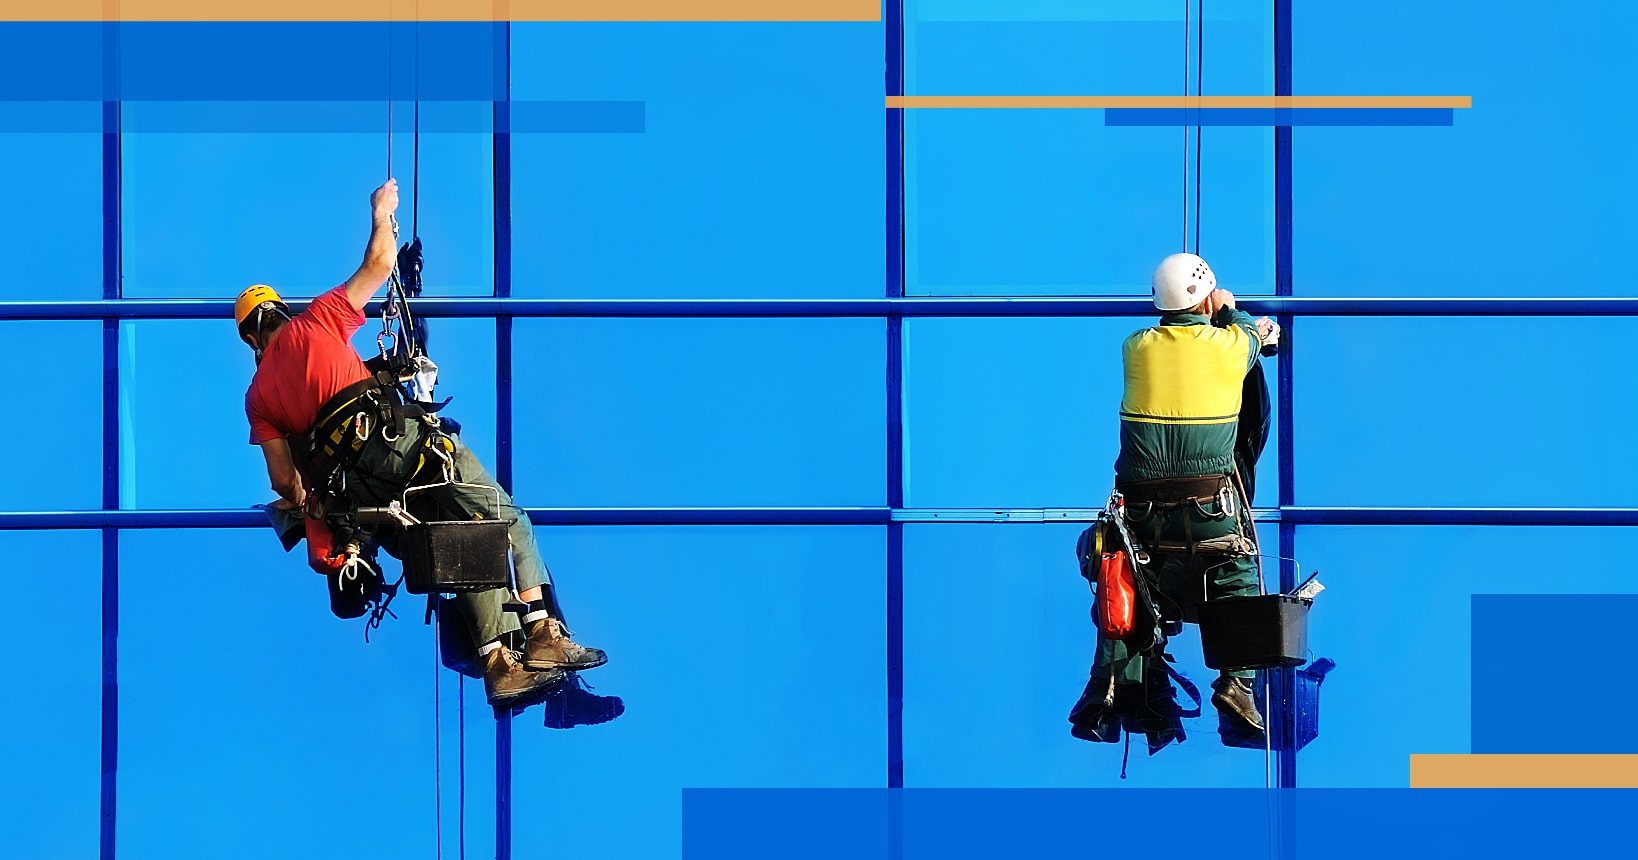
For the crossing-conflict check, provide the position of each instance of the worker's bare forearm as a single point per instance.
(377, 266)
(291, 491)
(381, 252)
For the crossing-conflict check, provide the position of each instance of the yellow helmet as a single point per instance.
(249, 309)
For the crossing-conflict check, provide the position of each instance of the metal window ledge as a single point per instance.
(751, 516)
(976, 306)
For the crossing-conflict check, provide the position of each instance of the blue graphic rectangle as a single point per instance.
(327, 117)
(1548, 673)
(1278, 116)
(1232, 824)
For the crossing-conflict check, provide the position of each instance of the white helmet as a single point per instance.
(1182, 281)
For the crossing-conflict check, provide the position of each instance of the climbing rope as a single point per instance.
(1199, 142)
(399, 332)
(1188, 25)
(1194, 47)
(437, 747)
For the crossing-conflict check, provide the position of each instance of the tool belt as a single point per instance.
(1146, 498)
(1169, 493)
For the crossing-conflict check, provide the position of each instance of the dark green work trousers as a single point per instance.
(1185, 580)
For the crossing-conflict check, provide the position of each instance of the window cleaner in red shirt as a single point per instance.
(303, 361)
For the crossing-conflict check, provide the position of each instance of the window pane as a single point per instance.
(1021, 412)
(1501, 202)
(781, 681)
(52, 217)
(302, 716)
(1457, 411)
(184, 384)
(757, 171)
(310, 220)
(66, 409)
(997, 646)
(1396, 619)
(1012, 201)
(700, 412)
(50, 729)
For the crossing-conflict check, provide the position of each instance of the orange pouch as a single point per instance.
(1117, 595)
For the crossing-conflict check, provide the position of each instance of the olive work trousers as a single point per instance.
(383, 471)
(1185, 580)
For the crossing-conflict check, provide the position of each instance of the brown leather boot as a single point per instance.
(508, 683)
(549, 647)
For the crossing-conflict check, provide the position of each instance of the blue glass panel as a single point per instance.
(64, 409)
(1020, 412)
(184, 384)
(52, 217)
(1527, 184)
(997, 646)
(1011, 201)
(700, 412)
(746, 657)
(275, 746)
(1396, 619)
(1458, 411)
(207, 214)
(758, 172)
(50, 727)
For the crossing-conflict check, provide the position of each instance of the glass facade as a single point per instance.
(901, 652)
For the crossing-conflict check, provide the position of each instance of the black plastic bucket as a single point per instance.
(456, 556)
(1258, 632)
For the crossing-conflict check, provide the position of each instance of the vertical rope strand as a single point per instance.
(1199, 138)
(1188, 23)
(415, 140)
(460, 710)
(437, 745)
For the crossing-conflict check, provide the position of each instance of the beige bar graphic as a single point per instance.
(440, 10)
(1454, 102)
(1524, 771)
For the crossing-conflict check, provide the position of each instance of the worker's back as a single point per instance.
(1181, 400)
(307, 364)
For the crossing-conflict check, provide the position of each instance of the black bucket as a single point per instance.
(1258, 632)
(456, 556)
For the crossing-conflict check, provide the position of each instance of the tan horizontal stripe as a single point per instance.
(440, 10)
(1179, 101)
(1524, 771)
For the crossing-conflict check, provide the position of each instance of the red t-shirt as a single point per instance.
(310, 360)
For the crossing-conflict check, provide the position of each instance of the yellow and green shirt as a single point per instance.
(1181, 402)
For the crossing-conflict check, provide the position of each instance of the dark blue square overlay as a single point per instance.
(1552, 673)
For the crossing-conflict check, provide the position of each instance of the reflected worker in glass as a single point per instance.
(308, 378)
(1179, 412)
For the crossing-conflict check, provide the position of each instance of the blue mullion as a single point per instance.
(1285, 694)
(111, 258)
(894, 85)
(1284, 305)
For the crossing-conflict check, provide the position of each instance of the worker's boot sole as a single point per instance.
(525, 698)
(547, 666)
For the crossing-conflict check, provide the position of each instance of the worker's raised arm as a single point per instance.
(382, 251)
(282, 474)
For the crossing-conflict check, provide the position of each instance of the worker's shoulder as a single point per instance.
(1148, 332)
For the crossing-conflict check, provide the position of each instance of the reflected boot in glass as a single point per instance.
(572, 703)
(508, 684)
(1233, 700)
(1093, 718)
(549, 647)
